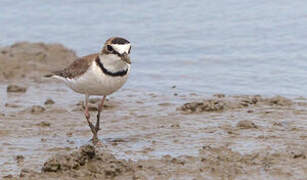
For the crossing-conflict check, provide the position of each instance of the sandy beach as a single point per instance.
(145, 135)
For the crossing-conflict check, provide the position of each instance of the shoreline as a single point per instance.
(189, 135)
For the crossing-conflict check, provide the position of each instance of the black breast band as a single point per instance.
(109, 73)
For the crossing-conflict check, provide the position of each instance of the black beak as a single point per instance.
(125, 57)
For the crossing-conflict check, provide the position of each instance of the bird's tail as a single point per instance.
(53, 75)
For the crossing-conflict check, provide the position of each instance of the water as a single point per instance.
(225, 46)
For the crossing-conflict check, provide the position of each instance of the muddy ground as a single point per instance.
(145, 135)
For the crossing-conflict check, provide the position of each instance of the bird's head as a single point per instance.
(119, 47)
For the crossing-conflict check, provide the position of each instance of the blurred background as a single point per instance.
(225, 46)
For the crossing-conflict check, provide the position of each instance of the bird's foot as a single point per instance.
(95, 139)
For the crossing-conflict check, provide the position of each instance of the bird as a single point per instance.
(99, 74)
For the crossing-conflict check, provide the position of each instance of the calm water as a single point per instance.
(224, 46)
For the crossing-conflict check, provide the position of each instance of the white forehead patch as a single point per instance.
(121, 48)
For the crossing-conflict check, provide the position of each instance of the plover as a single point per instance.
(98, 74)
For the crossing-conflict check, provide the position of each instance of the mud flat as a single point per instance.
(145, 135)
(31, 60)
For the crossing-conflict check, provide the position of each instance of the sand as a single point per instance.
(145, 135)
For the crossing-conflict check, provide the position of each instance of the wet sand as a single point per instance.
(145, 135)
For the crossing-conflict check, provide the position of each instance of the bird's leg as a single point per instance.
(87, 116)
(100, 106)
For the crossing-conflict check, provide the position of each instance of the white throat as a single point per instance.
(112, 62)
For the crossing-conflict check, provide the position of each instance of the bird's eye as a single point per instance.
(109, 47)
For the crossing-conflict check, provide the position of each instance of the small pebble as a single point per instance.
(44, 124)
(19, 158)
(37, 109)
(219, 95)
(49, 101)
(175, 126)
(246, 124)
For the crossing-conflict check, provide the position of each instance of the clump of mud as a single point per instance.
(15, 89)
(212, 162)
(37, 109)
(87, 162)
(19, 158)
(207, 105)
(278, 100)
(44, 124)
(32, 60)
(49, 101)
(246, 124)
(61, 162)
(221, 103)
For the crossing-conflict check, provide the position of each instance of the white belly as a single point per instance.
(95, 82)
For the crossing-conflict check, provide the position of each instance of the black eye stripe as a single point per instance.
(110, 48)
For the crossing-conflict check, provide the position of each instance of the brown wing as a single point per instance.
(78, 67)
